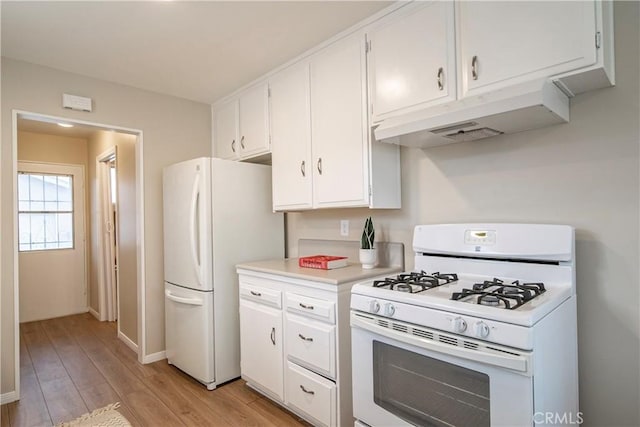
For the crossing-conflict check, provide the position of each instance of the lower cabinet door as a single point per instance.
(311, 394)
(261, 355)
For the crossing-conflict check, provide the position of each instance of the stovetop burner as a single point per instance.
(498, 294)
(415, 282)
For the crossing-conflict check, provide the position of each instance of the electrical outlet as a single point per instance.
(344, 227)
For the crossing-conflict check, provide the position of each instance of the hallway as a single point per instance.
(75, 364)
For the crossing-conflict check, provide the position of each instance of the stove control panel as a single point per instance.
(374, 306)
(389, 309)
(480, 237)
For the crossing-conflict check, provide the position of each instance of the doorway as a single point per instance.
(135, 231)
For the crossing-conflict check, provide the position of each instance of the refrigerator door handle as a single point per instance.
(193, 232)
(181, 300)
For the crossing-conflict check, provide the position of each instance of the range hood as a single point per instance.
(513, 109)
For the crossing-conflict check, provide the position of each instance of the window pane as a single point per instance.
(64, 188)
(50, 187)
(51, 228)
(64, 206)
(37, 228)
(23, 187)
(24, 225)
(37, 188)
(65, 228)
(36, 206)
(50, 206)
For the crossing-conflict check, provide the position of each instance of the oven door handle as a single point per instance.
(520, 363)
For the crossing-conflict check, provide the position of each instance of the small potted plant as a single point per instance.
(368, 253)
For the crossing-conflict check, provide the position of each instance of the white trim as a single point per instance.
(133, 346)
(142, 288)
(139, 233)
(154, 357)
(93, 312)
(9, 397)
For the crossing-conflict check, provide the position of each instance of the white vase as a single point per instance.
(368, 258)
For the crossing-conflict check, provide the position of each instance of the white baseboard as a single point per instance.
(94, 313)
(133, 346)
(5, 398)
(154, 357)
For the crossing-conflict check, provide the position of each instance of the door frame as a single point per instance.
(103, 283)
(143, 357)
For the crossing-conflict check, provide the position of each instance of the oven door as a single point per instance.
(409, 375)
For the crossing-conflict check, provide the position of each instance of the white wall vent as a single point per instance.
(73, 102)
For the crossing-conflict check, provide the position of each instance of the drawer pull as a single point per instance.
(256, 294)
(302, 337)
(307, 391)
(307, 307)
(273, 336)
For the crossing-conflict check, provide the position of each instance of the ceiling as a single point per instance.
(198, 50)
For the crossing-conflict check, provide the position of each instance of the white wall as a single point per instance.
(586, 174)
(174, 129)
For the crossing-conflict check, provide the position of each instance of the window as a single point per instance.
(45, 211)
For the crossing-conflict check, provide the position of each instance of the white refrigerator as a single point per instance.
(217, 213)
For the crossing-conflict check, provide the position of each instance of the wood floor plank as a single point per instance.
(150, 410)
(101, 395)
(63, 400)
(31, 409)
(44, 358)
(276, 414)
(4, 416)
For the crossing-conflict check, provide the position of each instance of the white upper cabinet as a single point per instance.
(225, 129)
(339, 126)
(412, 59)
(253, 121)
(291, 139)
(505, 43)
(241, 125)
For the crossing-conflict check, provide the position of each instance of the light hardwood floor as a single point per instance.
(75, 364)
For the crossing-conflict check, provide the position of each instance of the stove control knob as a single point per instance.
(482, 330)
(374, 306)
(459, 325)
(389, 310)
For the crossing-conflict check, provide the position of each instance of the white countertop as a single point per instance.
(353, 272)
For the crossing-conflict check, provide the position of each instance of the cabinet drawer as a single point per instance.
(311, 307)
(311, 394)
(312, 344)
(265, 296)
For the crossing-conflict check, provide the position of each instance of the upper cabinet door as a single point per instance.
(503, 43)
(291, 139)
(225, 128)
(412, 59)
(254, 121)
(339, 125)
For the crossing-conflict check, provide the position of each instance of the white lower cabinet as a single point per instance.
(296, 344)
(311, 394)
(261, 347)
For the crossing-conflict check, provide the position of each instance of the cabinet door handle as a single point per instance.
(440, 78)
(307, 391)
(308, 307)
(320, 165)
(302, 337)
(257, 294)
(233, 145)
(302, 169)
(273, 336)
(242, 142)
(474, 67)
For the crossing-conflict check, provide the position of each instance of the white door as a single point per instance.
(253, 121)
(187, 224)
(189, 331)
(412, 59)
(261, 358)
(225, 128)
(52, 263)
(339, 131)
(502, 43)
(291, 139)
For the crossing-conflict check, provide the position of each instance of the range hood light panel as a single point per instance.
(473, 134)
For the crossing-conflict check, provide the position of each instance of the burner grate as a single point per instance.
(415, 282)
(498, 294)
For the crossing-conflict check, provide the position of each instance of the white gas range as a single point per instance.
(482, 332)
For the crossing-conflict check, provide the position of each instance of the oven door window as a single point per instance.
(428, 392)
